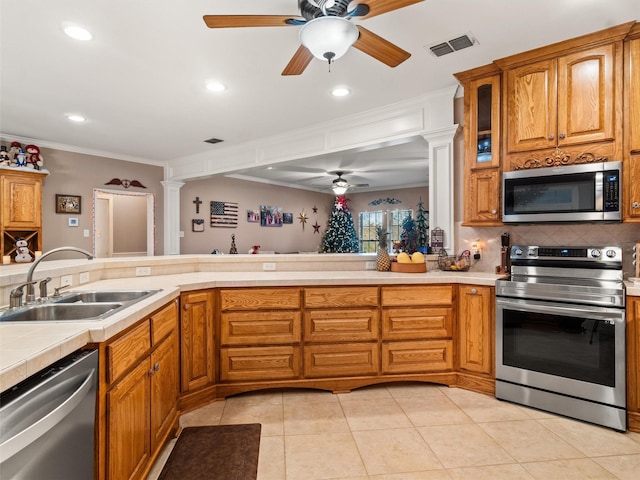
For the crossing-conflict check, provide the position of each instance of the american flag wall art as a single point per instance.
(224, 214)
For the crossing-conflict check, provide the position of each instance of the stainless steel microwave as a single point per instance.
(576, 193)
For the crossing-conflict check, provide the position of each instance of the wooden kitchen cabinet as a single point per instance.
(341, 329)
(631, 166)
(20, 209)
(197, 337)
(563, 101)
(260, 333)
(482, 144)
(482, 197)
(141, 402)
(417, 329)
(633, 363)
(476, 334)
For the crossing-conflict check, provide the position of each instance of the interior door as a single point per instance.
(102, 228)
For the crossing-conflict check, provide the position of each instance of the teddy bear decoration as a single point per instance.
(22, 251)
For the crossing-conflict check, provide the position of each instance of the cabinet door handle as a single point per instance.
(562, 135)
(474, 291)
(187, 306)
(156, 367)
(635, 204)
(551, 137)
(151, 372)
(493, 212)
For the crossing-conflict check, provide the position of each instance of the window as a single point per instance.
(391, 220)
(367, 224)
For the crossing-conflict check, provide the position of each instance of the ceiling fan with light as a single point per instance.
(340, 185)
(327, 31)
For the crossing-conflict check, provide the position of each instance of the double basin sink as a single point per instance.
(77, 306)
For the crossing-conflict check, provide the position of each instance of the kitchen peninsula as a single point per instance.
(222, 325)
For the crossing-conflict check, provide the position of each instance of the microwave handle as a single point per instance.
(599, 196)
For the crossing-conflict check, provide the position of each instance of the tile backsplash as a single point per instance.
(618, 234)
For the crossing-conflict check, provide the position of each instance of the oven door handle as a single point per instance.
(595, 313)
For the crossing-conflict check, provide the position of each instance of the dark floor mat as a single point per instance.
(220, 452)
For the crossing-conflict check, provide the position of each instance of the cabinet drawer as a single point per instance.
(417, 357)
(257, 298)
(417, 295)
(164, 322)
(259, 363)
(127, 350)
(239, 328)
(341, 360)
(328, 297)
(341, 325)
(413, 323)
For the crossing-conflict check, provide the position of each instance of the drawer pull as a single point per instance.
(474, 291)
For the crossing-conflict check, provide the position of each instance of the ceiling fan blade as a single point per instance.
(378, 7)
(298, 62)
(227, 21)
(379, 48)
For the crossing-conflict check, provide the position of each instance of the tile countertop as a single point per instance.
(27, 348)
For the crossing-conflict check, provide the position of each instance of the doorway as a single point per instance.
(123, 223)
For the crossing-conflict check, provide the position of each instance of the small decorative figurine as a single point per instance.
(34, 159)
(233, 250)
(21, 158)
(255, 249)
(5, 159)
(22, 251)
(13, 151)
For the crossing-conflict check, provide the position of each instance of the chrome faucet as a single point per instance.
(31, 296)
(15, 297)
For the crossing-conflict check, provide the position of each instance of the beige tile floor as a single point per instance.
(417, 432)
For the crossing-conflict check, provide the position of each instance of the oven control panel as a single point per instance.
(594, 254)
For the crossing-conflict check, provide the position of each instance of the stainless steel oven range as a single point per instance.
(560, 332)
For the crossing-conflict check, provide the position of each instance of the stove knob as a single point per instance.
(595, 253)
(532, 252)
(518, 251)
(611, 253)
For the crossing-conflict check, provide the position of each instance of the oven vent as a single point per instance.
(453, 45)
(214, 140)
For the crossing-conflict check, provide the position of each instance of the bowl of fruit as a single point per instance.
(405, 263)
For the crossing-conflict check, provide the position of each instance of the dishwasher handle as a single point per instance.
(33, 432)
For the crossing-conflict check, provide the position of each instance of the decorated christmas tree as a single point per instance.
(340, 236)
(422, 224)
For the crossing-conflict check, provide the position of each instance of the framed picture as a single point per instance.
(73, 222)
(287, 217)
(270, 216)
(253, 216)
(68, 203)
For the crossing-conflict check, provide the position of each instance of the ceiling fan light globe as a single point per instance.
(328, 38)
(339, 190)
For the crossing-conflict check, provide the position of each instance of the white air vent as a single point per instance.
(453, 45)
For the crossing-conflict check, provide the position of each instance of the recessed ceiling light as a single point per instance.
(76, 118)
(340, 92)
(216, 87)
(78, 33)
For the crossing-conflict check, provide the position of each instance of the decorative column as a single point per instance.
(171, 216)
(441, 183)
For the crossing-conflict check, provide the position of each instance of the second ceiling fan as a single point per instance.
(327, 30)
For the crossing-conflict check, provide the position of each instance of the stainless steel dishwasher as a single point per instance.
(47, 422)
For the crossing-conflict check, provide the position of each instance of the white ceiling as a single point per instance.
(141, 81)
